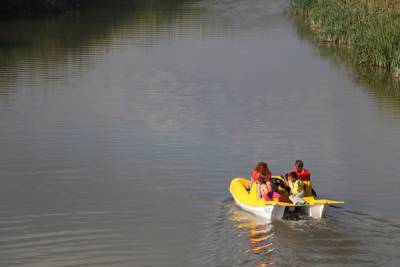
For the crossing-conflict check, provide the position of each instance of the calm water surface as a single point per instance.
(122, 125)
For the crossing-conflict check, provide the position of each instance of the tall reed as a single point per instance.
(371, 29)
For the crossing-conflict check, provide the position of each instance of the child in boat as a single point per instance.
(267, 189)
(304, 175)
(296, 189)
(261, 170)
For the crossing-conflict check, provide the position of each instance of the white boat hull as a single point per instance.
(274, 210)
(269, 212)
(316, 211)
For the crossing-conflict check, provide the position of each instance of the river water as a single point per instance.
(121, 126)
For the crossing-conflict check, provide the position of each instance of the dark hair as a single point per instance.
(300, 162)
(293, 175)
(262, 179)
(262, 168)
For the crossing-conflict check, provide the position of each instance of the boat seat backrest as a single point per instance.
(253, 191)
(308, 188)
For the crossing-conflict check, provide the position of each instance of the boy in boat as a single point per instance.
(305, 176)
(302, 173)
(261, 170)
(296, 189)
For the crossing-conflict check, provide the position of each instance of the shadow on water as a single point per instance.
(380, 83)
(47, 46)
(342, 238)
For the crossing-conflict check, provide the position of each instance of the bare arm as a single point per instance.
(263, 190)
(250, 184)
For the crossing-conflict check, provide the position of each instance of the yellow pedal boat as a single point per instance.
(275, 209)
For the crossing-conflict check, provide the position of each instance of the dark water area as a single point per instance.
(122, 124)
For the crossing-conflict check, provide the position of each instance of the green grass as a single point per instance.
(371, 29)
(12, 8)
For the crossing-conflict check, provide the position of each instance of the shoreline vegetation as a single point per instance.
(22, 8)
(370, 29)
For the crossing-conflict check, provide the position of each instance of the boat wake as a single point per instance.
(342, 238)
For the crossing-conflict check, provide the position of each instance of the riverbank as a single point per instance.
(370, 29)
(26, 8)
(11, 8)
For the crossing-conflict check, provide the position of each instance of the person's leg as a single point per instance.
(297, 199)
(299, 196)
(259, 190)
(276, 195)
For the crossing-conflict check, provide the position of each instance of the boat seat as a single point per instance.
(308, 188)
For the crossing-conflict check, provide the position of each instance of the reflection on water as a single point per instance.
(67, 45)
(332, 241)
(380, 84)
(260, 235)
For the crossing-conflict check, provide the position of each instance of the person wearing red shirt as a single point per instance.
(304, 175)
(260, 171)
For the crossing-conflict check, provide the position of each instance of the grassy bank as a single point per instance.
(10, 8)
(369, 28)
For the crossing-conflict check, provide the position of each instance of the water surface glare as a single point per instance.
(121, 126)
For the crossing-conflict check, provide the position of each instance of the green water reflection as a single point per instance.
(380, 84)
(54, 42)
